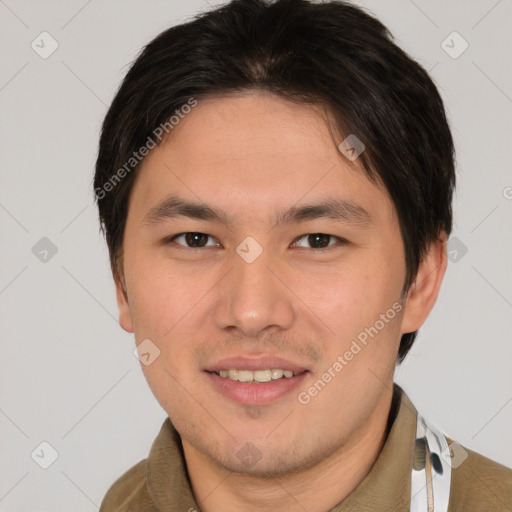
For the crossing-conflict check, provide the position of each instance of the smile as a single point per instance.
(257, 376)
(256, 387)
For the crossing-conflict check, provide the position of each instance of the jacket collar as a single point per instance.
(386, 487)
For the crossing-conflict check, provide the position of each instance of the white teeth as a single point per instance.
(277, 373)
(265, 375)
(245, 375)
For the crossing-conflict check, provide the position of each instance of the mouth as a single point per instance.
(255, 382)
(257, 376)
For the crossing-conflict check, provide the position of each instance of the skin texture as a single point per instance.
(252, 155)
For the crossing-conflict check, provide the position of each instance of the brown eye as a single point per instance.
(317, 241)
(192, 240)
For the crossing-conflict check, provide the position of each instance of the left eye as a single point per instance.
(318, 240)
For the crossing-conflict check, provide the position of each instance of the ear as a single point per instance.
(125, 315)
(422, 294)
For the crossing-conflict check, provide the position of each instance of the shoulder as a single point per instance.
(478, 483)
(128, 493)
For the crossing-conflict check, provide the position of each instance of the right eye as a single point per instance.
(191, 240)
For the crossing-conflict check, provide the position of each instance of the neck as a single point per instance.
(317, 489)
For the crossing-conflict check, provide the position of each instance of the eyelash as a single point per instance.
(341, 241)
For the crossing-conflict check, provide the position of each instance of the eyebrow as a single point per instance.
(336, 209)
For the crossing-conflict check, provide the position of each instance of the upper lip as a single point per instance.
(255, 363)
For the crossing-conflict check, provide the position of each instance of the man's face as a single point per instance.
(258, 294)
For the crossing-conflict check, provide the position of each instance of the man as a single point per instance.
(275, 180)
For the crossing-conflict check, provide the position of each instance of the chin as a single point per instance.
(262, 458)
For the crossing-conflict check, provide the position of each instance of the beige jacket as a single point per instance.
(160, 482)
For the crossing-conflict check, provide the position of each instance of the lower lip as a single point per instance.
(248, 393)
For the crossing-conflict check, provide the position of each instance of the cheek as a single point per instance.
(346, 300)
(161, 297)
(169, 306)
(165, 308)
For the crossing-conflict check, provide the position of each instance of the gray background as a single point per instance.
(68, 375)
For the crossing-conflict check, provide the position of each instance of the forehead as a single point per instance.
(254, 152)
(257, 124)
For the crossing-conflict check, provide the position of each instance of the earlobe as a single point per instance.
(423, 293)
(125, 315)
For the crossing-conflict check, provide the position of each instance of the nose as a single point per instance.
(253, 298)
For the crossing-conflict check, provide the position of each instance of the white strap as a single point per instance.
(430, 481)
